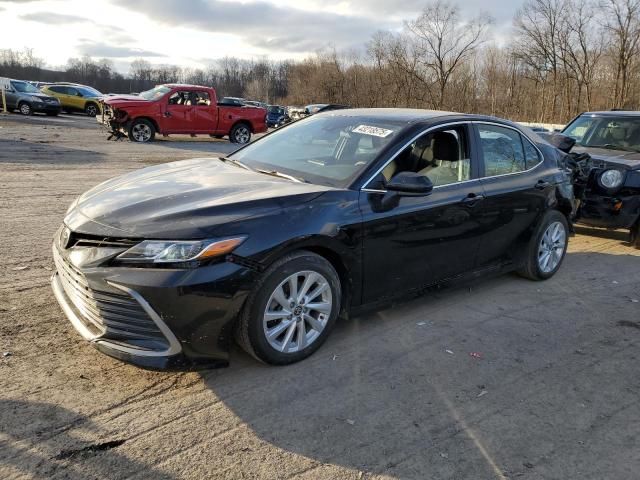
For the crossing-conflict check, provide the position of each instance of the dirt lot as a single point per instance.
(394, 394)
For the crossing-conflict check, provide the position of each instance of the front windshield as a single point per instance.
(155, 93)
(273, 109)
(24, 87)
(615, 133)
(326, 149)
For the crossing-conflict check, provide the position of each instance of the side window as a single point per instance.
(179, 98)
(531, 154)
(71, 91)
(443, 156)
(200, 99)
(502, 150)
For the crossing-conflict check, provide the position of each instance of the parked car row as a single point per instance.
(50, 98)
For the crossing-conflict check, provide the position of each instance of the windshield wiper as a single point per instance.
(235, 162)
(275, 173)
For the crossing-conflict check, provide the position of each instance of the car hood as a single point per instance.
(125, 101)
(39, 95)
(185, 199)
(628, 160)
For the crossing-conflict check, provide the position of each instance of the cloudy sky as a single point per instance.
(193, 33)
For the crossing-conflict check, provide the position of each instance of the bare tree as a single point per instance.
(623, 25)
(445, 42)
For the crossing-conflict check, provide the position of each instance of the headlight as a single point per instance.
(36, 99)
(159, 251)
(611, 179)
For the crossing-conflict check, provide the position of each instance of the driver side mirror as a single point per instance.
(410, 183)
(78, 94)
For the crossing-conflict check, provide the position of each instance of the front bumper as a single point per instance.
(609, 211)
(46, 107)
(154, 318)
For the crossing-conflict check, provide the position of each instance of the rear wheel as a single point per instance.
(292, 309)
(547, 247)
(142, 131)
(91, 109)
(240, 134)
(25, 108)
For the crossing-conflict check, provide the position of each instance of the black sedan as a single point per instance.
(610, 193)
(339, 212)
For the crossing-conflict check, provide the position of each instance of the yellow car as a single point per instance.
(75, 98)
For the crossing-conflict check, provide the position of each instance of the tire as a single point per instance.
(91, 109)
(25, 109)
(240, 134)
(547, 247)
(142, 131)
(311, 328)
(635, 235)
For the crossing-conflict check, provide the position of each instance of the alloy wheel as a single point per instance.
(141, 132)
(242, 135)
(552, 246)
(25, 109)
(297, 311)
(92, 111)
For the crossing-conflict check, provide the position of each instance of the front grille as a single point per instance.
(116, 317)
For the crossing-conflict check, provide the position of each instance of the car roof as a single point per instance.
(615, 113)
(183, 85)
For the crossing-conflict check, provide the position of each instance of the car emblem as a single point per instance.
(65, 237)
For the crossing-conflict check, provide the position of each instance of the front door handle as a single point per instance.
(167, 114)
(542, 184)
(472, 199)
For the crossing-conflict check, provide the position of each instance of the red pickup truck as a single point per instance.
(183, 109)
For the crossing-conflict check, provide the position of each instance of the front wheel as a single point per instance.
(240, 134)
(292, 309)
(25, 109)
(547, 247)
(142, 131)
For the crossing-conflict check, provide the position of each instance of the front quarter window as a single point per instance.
(329, 150)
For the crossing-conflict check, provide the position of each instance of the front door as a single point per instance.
(414, 241)
(178, 115)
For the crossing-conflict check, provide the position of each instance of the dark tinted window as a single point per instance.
(502, 150)
(531, 154)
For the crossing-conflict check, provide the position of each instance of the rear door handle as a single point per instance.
(542, 184)
(471, 199)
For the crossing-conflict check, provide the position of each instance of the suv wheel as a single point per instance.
(91, 109)
(142, 131)
(291, 310)
(240, 134)
(25, 108)
(547, 247)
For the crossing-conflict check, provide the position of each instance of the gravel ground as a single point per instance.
(394, 394)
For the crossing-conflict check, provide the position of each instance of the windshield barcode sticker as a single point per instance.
(374, 131)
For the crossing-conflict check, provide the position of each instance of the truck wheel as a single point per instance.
(240, 134)
(142, 131)
(25, 108)
(91, 109)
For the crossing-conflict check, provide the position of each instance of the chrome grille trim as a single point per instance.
(108, 317)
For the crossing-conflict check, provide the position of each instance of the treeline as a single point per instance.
(563, 57)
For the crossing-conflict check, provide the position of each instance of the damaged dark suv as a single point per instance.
(609, 195)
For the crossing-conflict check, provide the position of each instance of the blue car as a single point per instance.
(276, 116)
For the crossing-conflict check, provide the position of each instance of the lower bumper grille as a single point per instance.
(107, 316)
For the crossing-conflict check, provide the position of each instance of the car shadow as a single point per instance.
(622, 235)
(43, 440)
(44, 153)
(201, 144)
(400, 391)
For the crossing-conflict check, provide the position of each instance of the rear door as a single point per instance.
(516, 186)
(205, 114)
